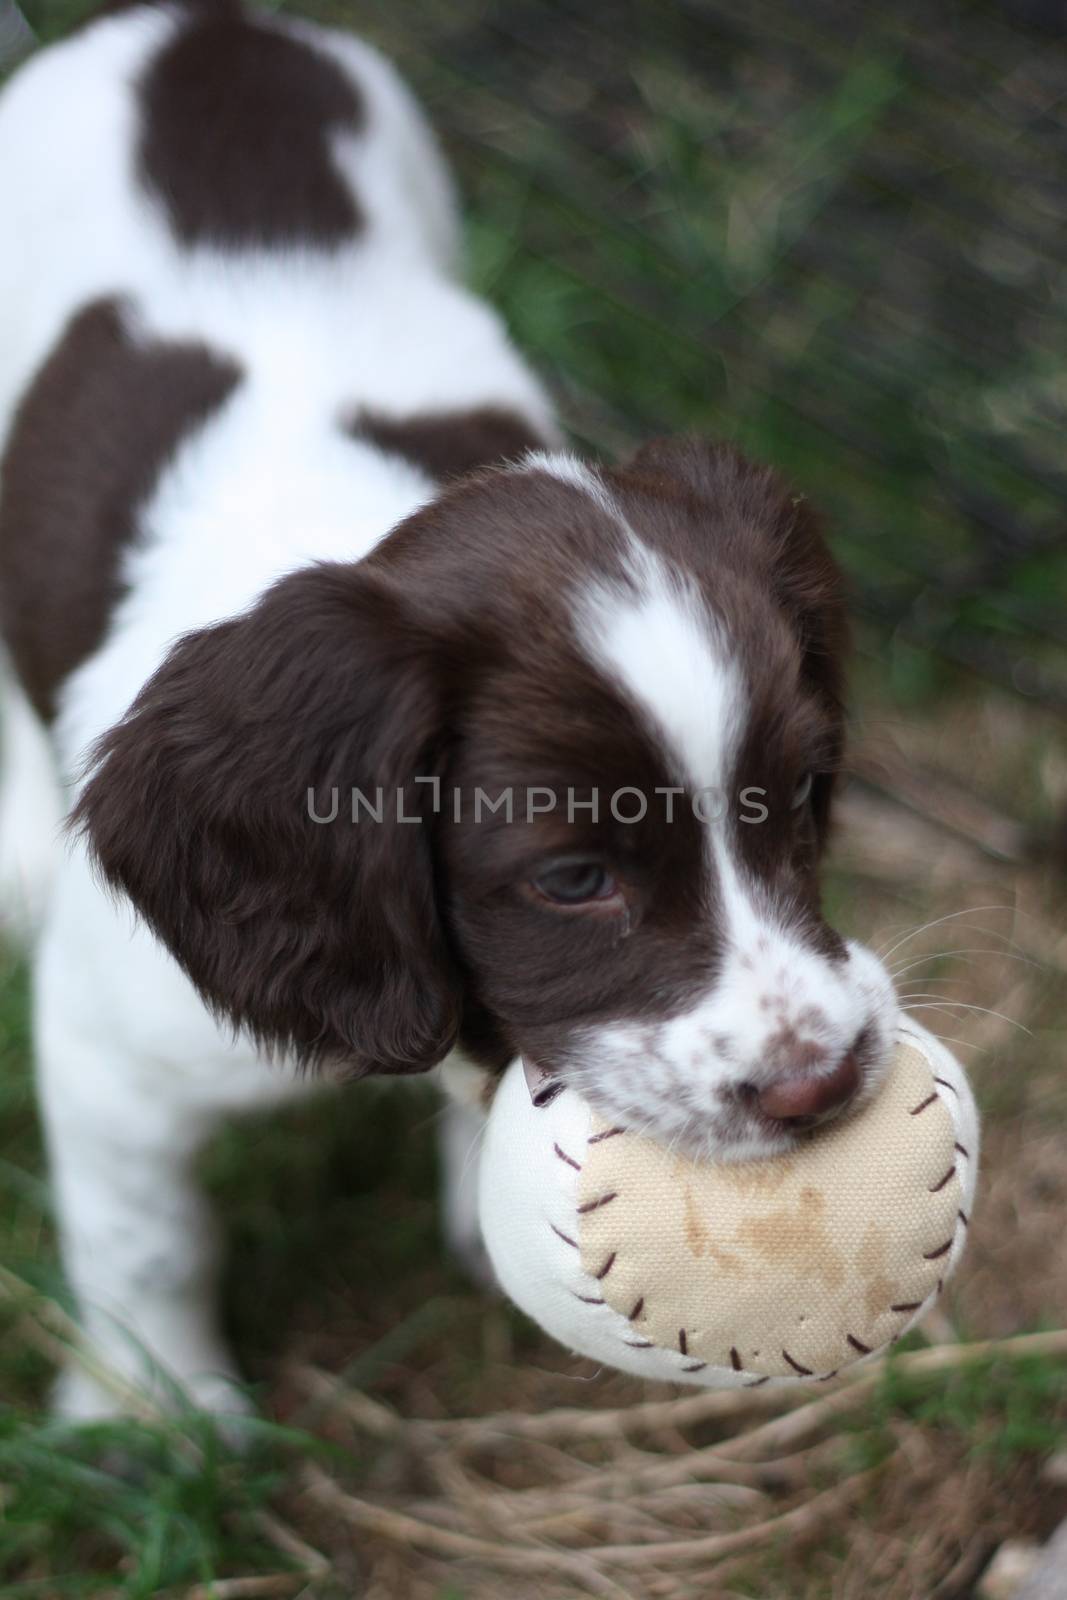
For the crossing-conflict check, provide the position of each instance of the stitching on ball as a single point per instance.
(563, 1156)
(901, 1308)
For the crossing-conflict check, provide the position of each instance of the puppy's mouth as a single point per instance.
(742, 1121)
(784, 1116)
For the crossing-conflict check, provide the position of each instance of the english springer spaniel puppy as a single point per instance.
(393, 735)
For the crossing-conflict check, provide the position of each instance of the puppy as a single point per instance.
(393, 735)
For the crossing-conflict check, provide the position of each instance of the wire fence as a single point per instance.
(834, 233)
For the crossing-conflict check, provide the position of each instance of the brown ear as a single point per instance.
(320, 938)
(783, 536)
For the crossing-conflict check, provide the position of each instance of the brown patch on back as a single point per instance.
(238, 119)
(448, 444)
(92, 434)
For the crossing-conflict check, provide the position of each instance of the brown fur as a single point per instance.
(449, 444)
(89, 440)
(237, 122)
(451, 651)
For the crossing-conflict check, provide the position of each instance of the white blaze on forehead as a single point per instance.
(657, 641)
(568, 469)
(659, 644)
(651, 632)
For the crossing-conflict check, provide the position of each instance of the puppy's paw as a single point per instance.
(79, 1397)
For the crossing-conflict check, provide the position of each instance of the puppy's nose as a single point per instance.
(811, 1098)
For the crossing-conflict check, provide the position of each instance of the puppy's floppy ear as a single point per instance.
(320, 938)
(752, 503)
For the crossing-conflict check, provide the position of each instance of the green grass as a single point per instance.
(1008, 1410)
(1005, 1408)
(25, 1233)
(134, 1511)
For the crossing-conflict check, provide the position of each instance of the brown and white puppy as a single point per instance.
(411, 738)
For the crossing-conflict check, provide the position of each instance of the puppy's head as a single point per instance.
(548, 773)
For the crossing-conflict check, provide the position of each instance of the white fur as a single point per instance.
(31, 813)
(656, 639)
(658, 642)
(133, 1072)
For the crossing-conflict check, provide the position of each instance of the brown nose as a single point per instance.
(808, 1097)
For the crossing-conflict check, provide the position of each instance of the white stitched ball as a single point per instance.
(726, 1274)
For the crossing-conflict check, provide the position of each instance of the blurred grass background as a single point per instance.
(836, 235)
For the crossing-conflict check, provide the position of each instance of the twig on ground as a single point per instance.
(570, 1423)
(798, 1522)
(707, 1467)
(564, 1422)
(448, 1542)
(265, 1587)
(427, 1535)
(796, 1425)
(312, 1562)
(564, 1529)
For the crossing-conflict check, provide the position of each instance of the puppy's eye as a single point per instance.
(802, 792)
(575, 881)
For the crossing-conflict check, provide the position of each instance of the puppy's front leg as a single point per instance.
(138, 1240)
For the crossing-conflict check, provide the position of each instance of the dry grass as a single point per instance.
(635, 1501)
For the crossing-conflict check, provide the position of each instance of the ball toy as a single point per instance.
(784, 1270)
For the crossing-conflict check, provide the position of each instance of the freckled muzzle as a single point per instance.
(781, 1270)
(804, 1100)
